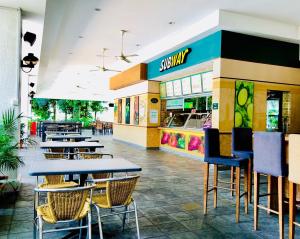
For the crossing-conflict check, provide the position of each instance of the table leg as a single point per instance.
(71, 151)
(34, 207)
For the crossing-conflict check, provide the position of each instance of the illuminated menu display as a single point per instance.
(207, 81)
(177, 87)
(196, 83)
(163, 92)
(169, 88)
(186, 86)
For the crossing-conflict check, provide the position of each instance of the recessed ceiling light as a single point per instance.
(171, 23)
(137, 44)
(80, 36)
(97, 9)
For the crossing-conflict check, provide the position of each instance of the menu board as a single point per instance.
(186, 86)
(177, 87)
(196, 83)
(207, 81)
(163, 92)
(169, 88)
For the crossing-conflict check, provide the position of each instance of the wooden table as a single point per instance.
(76, 138)
(63, 167)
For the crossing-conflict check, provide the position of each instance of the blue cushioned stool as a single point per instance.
(242, 147)
(269, 160)
(212, 156)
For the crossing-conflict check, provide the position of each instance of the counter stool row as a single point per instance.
(267, 158)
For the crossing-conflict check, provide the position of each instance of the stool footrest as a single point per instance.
(268, 209)
(297, 224)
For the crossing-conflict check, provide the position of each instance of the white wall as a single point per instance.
(10, 38)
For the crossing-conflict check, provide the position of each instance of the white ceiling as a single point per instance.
(61, 73)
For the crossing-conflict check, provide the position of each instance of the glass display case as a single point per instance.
(190, 121)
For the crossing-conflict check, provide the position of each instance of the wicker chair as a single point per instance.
(99, 185)
(65, 205)
(56, 181)
(56, 150)
(118, 194)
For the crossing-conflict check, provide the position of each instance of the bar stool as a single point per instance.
(242, 147)
(268, 158)
(294, 179)
(212, 156)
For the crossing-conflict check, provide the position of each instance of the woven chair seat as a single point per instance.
(101, 201)
(45, 212)
(100, 185)
(58, 185)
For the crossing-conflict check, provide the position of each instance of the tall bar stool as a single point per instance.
(242, 147)
(294, 179)
(268, 152)
(212, 156)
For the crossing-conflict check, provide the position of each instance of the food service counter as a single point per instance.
(185, 134)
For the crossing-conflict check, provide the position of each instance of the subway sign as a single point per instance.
(175, 60)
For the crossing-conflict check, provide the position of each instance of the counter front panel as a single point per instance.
(183, 140)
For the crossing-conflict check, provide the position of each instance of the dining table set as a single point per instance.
(74, 154)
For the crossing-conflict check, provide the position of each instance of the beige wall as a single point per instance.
(265, 77)
(145, 134)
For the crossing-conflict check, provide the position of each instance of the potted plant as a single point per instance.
(9, 158)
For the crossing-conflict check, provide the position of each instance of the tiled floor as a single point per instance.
(169, 197)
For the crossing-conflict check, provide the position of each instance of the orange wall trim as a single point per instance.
(129, 77)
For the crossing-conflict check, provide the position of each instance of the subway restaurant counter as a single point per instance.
(182, 140)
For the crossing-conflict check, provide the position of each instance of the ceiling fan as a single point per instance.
(102, 67)
(124, 57)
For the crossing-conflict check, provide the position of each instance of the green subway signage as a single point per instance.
(200, 51)
(177, 59)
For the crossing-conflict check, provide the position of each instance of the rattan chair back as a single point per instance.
(119, 190)
(96, 156)
(67, 204)
(54, 179)
(54, 155)
(57, 150)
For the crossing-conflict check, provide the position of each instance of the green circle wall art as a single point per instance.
(243, 109)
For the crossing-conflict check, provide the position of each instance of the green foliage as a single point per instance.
(66, 106)
(80, 110)
(96, 106)
(40, 107)
(9, 159)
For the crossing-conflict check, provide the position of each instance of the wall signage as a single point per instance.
(177, 87)
(196, 83)
(186, 86)
(169, 89)
(154, 100)
(175, 60)
(215, 106)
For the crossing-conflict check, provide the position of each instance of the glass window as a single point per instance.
(178, 120)
(196, 121)
(201, 104)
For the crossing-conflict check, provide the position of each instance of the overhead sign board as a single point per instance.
(175, 60)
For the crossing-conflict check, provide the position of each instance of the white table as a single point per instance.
(61, 132)
(70, 145)
(63, 166)
(62, 137)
